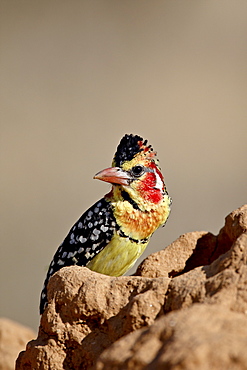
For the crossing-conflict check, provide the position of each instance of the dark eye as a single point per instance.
(137, 170)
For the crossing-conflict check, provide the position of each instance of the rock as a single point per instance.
(224, 281)
(87, 312)
(188, 251)
(200, 337)
(185, 311)
(13, 339)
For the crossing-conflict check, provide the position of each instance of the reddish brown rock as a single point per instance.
(201, 337)
(87, 313)
(224, 281)
(13, 339)
(188, 251)
(97, 321)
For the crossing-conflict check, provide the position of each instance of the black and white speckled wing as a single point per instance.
(90, 234)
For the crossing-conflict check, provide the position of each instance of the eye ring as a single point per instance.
(137, 170)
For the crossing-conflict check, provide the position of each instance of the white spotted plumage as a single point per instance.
(85, 239)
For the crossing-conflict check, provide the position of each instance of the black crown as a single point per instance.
(128, 147)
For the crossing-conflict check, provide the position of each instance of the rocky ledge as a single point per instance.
(185, 308)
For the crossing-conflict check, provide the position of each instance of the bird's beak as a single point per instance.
(114, 175)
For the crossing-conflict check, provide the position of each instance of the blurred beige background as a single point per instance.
(76, 76)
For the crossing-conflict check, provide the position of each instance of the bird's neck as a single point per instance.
(137, 218)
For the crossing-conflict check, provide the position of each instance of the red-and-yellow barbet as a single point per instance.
(112, 234)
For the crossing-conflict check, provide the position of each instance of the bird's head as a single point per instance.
(135, 171)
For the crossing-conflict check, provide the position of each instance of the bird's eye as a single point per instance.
(137, 170)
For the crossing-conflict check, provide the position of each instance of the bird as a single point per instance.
(113, 233)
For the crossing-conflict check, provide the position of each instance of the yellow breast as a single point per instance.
(117, 257)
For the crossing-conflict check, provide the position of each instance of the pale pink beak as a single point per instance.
(114, 175)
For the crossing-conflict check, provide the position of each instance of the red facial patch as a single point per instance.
(147, 188)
